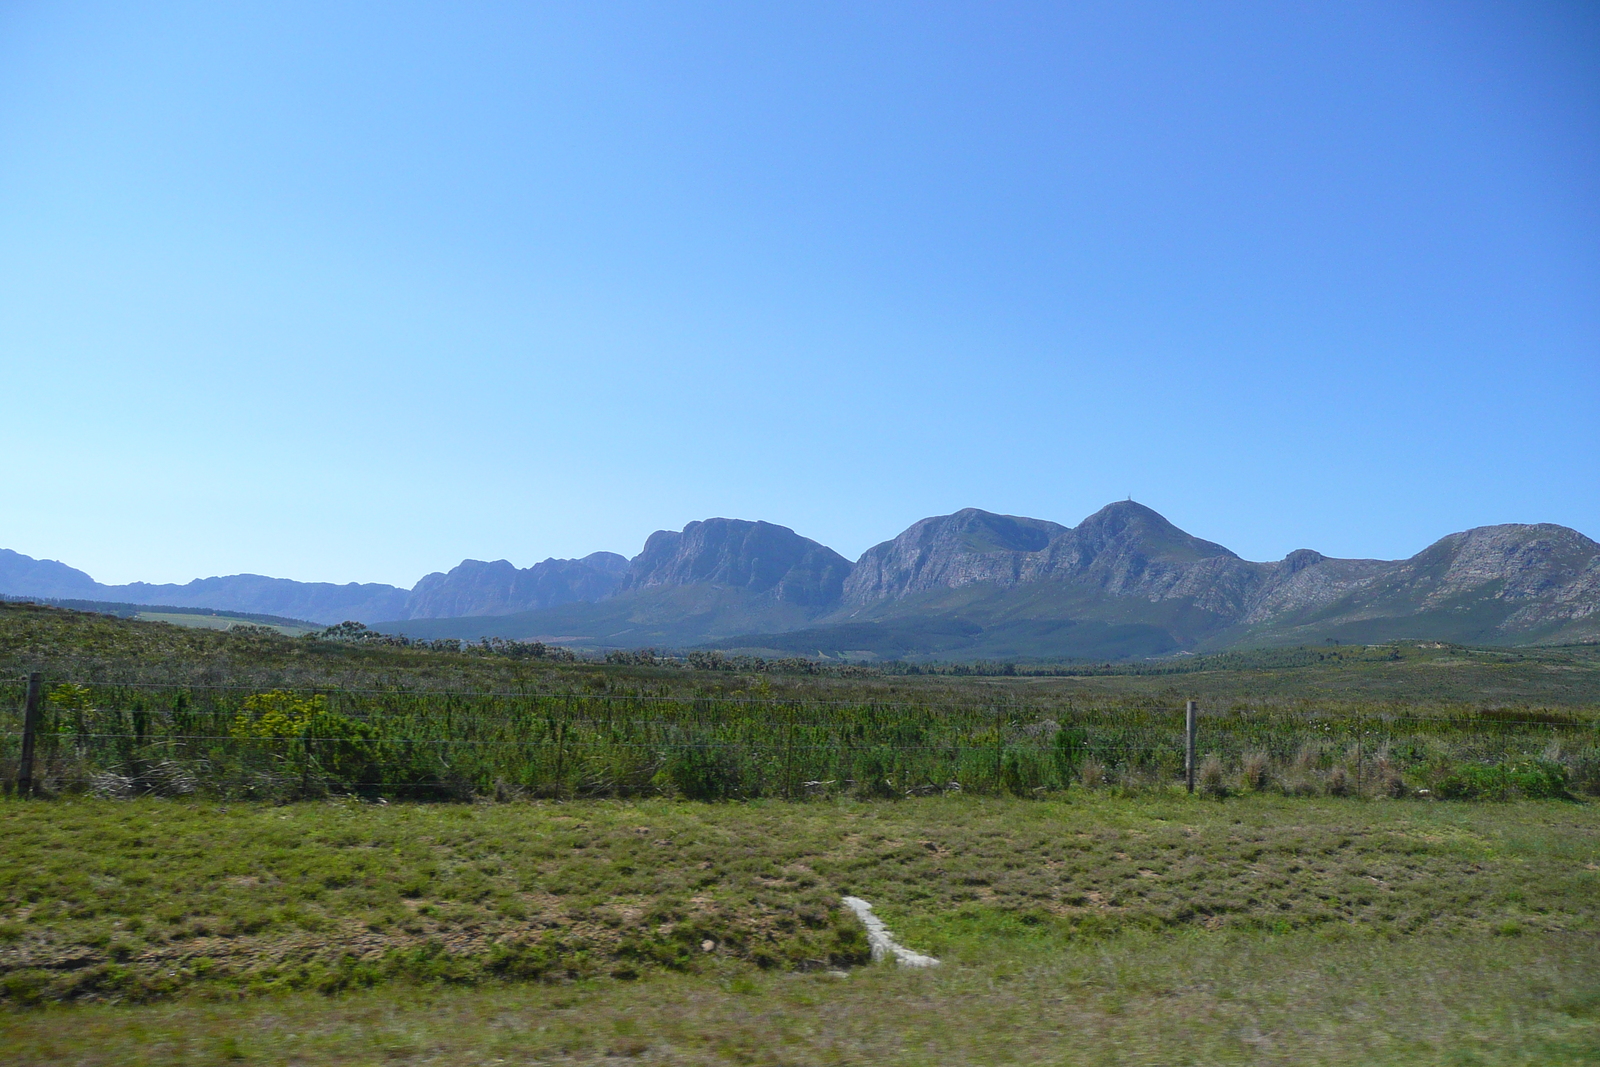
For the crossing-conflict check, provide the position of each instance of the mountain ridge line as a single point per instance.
(1124, 581)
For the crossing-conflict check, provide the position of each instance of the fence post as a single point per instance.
(1190, 714)
(30, 734)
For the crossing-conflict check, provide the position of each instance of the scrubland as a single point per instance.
(199, 886)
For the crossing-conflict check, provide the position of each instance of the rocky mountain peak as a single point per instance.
(759, 557)
(1126, 526)
(968, 546)
(1525, 560)
(1300, 559)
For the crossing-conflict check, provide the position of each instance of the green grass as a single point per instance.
(144, 900)
(1296, 999)
(1103, 930)
(1128, 923)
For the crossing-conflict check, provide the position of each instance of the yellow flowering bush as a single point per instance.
(277, 715)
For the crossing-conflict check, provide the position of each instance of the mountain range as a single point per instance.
(1124, 582)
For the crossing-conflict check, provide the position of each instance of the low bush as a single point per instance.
(1530, 779)
(1257, 772)
(700, 772)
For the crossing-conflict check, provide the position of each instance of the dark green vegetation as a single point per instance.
(92, 648)
(125, 740)
(258, 715)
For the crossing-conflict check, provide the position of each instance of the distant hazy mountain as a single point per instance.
(317, 601)
(1492, 584)
(714, 579)
(471, 588)
(27, 576)
(476, 588)
(1124, 582)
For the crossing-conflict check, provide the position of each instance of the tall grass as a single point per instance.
(127, 739)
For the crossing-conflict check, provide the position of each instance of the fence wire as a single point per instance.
(122, 739)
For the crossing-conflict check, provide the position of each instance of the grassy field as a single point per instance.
(1294, 999)
(1256, 929)
(220, 622)
(1282, 923)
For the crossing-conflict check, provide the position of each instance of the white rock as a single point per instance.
(883, 945)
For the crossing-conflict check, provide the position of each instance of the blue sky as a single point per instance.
(353, 291)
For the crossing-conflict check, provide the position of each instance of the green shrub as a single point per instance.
(874, 774)
(1024, 772)
(1539, 779)
(1534, 779)
(523, 960)
(700, 772)
(25, 987)
(849, 947)
(1069, 748)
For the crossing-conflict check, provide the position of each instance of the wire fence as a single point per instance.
(132, 739)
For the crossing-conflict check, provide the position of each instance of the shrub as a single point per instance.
(1338, 782)
(1067, 749)
(1300, 786)
(848, 945)
(1535, 779)
(700, 772)
(345, 750)
(521, 960)
(1211, 777)
(1028, 772)
(1306, 760)
(1386, 777)
(1092, 773)
(277, 715)
(1539, 779)
(1257, 772)
(872, 775)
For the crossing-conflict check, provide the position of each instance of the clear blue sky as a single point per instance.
(353, 291)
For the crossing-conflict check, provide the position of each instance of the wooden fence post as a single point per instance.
(30, 735)
(1190, 714)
